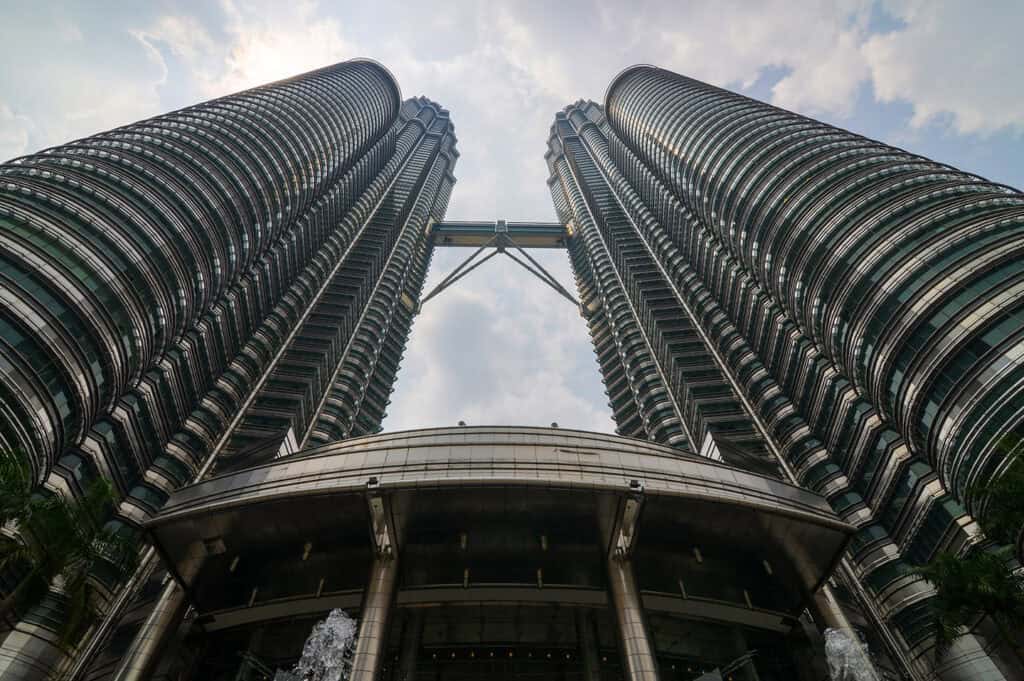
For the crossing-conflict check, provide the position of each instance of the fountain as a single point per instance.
(327, 653)
(848, 657)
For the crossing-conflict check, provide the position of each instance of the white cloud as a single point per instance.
(185, 36)
(731, 42)
(66, 31)
(499, 347)
(521, 49)
(14, 131)
(65, 84)
(828, 83)
(274, 41)
(266, 41)
(958, 58)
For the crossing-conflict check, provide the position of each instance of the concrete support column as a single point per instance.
(830, 615)
(149, 643)
(827, 610)
(969, 659)
(29, 652)
(638, 660)
(747, 672)
(373, 620)
(588, 645)
(247, 672)
(412, 637)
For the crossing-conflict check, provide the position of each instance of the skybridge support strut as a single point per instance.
(503, 237)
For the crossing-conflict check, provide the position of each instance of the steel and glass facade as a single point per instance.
(230, 281)
(779, 286)
(227, 290)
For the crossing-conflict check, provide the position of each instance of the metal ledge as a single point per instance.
(690, 608)
(501, 480)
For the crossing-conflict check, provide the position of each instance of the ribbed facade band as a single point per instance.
(234, 278)
(773, 288)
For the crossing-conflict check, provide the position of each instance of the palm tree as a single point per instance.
(15, 486)
(978, 585)
(56, 538)
(1003, 512)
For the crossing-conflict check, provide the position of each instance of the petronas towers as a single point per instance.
(234, 283)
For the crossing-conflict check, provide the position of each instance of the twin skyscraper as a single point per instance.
(208, 309)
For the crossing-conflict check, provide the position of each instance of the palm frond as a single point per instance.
(30, 590)
(13, 550)
(60, 537)
(1002, 500)
(947, 630)
(981, 584)
(119, 552)
(79, 609)
(95, 503)
(16, 483)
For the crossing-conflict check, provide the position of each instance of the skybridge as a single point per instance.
(480, 233)
(501, 237)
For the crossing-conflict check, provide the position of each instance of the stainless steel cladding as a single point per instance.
(772, 288)
(138, 262)
(228, 282)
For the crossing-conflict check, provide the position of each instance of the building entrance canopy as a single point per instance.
(498, 514)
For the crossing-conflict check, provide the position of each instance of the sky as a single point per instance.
(943, 78)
